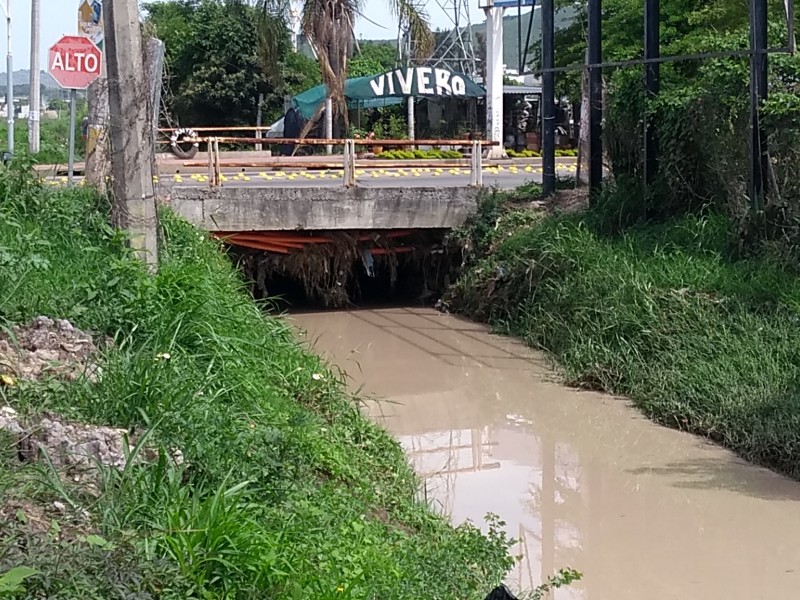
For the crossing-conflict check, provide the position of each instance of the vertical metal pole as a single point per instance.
(71, 163)
(652, 72)
(33, 115)
(519, 36)
(217, 164)
(258, 121)
(548, 99)
(9, 82)
(758, 93)
(210, 153)
(595, 57)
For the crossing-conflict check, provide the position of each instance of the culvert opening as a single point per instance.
(347, 268)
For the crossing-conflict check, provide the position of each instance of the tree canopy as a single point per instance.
(215, 57)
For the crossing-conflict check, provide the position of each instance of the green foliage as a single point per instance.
(700, 116)
(562, 578)
(382, 53)
(658, 314)
(221, 54)
(285, 488)
(373, 58)
(53, 140)
(11, 582)
(420, 154)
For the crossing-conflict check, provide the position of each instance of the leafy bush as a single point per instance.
(420, 154)
(701, 117)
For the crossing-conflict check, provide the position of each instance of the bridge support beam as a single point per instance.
(324, 208)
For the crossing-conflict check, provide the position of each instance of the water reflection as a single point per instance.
(504, 469)
(580, 479)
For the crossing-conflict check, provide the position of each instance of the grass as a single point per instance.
(54, 139)
(659, 314)
(286, 489)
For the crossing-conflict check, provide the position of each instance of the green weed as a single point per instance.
(660, 314)
(284, 488)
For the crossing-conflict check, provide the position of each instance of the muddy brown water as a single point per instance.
(581, 479)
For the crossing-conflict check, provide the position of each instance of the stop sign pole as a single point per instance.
(74, 62)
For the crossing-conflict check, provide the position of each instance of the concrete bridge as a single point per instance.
(381, 199)
(281, 208)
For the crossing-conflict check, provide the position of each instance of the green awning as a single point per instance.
(392, 87)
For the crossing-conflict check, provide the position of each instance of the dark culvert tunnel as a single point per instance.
(345, 269)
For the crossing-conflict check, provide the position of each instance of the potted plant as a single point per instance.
(379, 134)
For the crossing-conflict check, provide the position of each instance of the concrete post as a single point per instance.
(476, 165)
(329, 124)
(134, 205)
(349, 167)
(35, 101)
(154, 71)
(411, 122)
(494, 81)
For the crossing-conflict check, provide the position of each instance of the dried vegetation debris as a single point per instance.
(45, 349)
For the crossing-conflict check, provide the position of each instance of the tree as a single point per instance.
(372, 58)
(215, 59)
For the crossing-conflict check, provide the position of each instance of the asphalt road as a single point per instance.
(505, 177)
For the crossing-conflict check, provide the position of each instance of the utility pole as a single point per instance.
(548, 99)
(595, 57)
(9, 80)
(652, 75)
(494, 79)
(35, 100)
(134, 204)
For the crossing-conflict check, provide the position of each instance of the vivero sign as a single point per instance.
(74, 62)
(419, 81)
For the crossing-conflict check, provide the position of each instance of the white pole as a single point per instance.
(9, 82)
(411, 122)
(35, 101)
(329, 124)
(494, 80)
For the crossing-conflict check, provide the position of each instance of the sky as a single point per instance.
(59, 17)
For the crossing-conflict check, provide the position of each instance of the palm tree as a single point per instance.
(329, 26)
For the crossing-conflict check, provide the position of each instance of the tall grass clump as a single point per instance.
(284, 489)
(659, 313)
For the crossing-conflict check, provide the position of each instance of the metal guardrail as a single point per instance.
(350, 154)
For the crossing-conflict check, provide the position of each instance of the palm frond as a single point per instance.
(412, 14)
(328, 26)
(273, 36)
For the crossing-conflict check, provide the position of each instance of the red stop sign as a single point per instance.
(74, 62)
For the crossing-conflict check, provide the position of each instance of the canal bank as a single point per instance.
(161, 437)
(581, 478)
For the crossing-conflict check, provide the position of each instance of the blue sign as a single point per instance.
(513, 3)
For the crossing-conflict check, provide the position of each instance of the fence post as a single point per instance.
(349, 170)
(476, 165)
(210, 154)
(217, 165)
